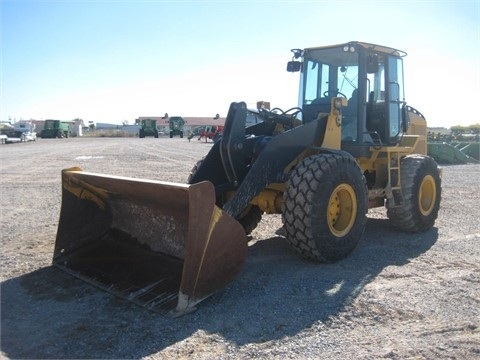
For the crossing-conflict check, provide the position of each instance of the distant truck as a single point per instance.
(176, 124)
(26, 130)
(8, 134)
(22, 131)
(55, 129)
(148, 127)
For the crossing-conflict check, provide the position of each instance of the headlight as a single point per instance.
(349, 48)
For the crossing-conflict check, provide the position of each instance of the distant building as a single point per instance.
(107, 126)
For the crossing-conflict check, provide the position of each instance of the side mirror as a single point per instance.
(294, 66)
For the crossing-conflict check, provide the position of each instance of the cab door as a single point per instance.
(395, 98)
(385, 98)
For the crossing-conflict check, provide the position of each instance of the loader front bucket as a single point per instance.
(161, 245)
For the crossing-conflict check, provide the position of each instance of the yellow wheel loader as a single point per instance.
(351, 144)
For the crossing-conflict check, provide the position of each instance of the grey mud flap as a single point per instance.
(161, 245)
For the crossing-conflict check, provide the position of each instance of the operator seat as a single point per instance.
(376, 119)
(349, 114)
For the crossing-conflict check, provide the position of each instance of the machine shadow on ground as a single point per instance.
(49, 314)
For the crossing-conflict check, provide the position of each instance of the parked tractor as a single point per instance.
(148, 127)
(176, 124)
(212, 132)
(351, 144)
(55, 129)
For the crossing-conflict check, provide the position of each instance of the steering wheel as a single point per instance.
(334, 92)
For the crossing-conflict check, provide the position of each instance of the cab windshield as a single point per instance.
(329, 73)
(49, 125)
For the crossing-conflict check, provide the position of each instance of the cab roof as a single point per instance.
(367, 46)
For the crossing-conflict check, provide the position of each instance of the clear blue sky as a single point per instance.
(110, 61)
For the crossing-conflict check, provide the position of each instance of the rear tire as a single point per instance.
(325, 206)
(421, 190)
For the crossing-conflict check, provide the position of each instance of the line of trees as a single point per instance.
(471, 129)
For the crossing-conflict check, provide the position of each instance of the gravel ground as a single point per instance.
(396, 296)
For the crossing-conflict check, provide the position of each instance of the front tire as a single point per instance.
(421, 191)
(325, 206)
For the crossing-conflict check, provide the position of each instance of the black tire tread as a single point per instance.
(408, 217)
(302, 208)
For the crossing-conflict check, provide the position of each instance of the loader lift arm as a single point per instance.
(254, 157)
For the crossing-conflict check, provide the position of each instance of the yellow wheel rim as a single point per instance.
(427, 195)
(342, 210)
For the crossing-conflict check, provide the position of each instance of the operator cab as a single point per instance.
(369, 76)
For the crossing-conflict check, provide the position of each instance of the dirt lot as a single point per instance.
(397, 296)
